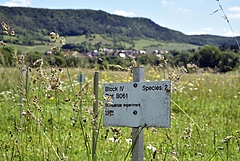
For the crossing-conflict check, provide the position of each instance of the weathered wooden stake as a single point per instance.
(95, 116)
(21, 93)
(137, 132)
(80, 82)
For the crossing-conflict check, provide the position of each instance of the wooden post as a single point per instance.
(95, 117)
(26, 80)
(137, 133)
(80, 82)
(21, 93)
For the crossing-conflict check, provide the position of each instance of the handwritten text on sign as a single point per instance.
(137, 104)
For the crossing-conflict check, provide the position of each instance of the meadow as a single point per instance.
(139, 44)
(57, 117)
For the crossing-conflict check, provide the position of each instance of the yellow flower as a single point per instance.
(158, 76)
(51, 98)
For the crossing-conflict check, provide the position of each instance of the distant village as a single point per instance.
(122, 53)
(118, 53)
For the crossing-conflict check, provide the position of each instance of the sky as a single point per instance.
(191, 17)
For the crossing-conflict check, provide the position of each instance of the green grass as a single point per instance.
(204, 118)
(94, 39)
(27, 49)
(141, 44)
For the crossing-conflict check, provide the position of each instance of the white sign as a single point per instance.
(137, 104)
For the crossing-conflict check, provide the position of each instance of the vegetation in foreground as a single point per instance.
(204, 117)
(45, 114)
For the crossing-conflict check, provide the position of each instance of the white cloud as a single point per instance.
(166, 2)
(183, 9)
(234, 16)
(234, 9)
(208, 29)
(230, 34)
(124, 13)
(234, 12)
(17, 3)
(203, 31)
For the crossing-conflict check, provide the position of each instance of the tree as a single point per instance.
(147, 59)
(183, 58)
(32, 57)
(7, 54)
(209, 56)
(228, 61)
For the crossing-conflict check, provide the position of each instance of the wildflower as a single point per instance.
(191, 66)
(2, 43)
(12, 33)
(62, 41)
(154, 130)
(51, 98)
(150, 147)
(183, 69)
(190, 84)
(187, 145)
(201, 155)
(158, 76)
(52, 35)
(54, 49)
(5, 26)
(129, 141)
(227, 139)
(5, 32)
(194, 98)
(173, 152)
(113, 140)
(160, 56)
(101, 51)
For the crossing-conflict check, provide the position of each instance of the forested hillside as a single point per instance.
(35, 24)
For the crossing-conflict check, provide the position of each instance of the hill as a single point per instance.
(34, 24)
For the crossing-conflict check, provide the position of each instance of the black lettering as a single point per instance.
(121, 88)
(121, 95)
(132, 105)
(109, 112)
(110, 95)
(111, 89)
(152, 88)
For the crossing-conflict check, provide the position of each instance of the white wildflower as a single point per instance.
(150, 147)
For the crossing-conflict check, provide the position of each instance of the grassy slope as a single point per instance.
(141, 44)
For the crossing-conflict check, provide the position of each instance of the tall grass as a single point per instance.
(204, 118)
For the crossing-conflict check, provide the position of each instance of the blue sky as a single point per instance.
(187, 16)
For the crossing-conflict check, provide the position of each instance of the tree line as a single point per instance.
(218, 58)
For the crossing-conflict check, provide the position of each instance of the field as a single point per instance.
(205, 112)
(141, 44)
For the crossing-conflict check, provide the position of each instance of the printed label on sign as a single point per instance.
(134, 104)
